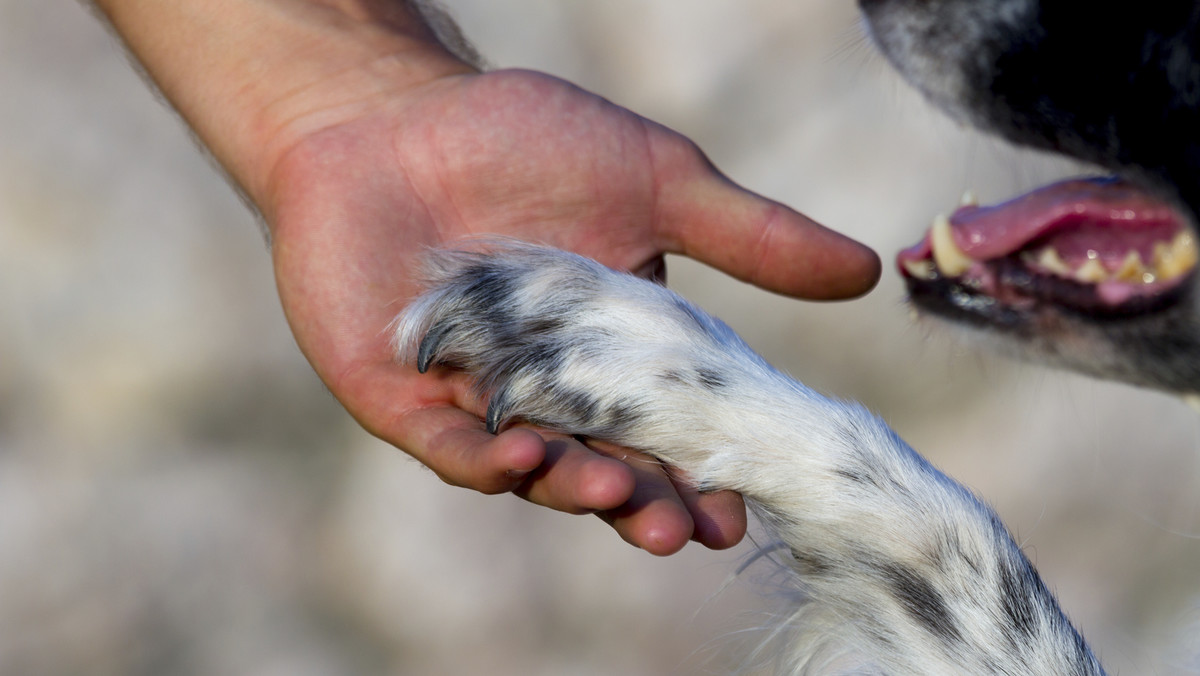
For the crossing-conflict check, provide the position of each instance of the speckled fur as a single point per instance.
(900, 564)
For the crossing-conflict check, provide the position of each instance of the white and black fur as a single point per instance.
(915, 572)
(900, 565)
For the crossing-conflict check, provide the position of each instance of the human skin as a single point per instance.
(363, 141)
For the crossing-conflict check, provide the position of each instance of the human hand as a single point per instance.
(363, 141)
(521, 154)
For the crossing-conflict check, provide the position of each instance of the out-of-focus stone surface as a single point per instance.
(179, 495)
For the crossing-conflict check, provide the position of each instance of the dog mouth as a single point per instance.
(1096, 247)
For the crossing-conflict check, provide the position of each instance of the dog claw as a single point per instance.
(428, 350)
(499, 408)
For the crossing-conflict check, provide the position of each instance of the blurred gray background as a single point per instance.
(179, 495)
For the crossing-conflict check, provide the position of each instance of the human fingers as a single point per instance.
(432, 417)
(574, 479)
(440, 426)
(454, 444)
(634, 495)
(704, 215)
(629, 490)
(654, 518)
(719, 517)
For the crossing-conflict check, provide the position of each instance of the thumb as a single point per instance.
(704, 215)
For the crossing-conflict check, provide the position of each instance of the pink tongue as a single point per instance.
(1079, 205)
(990, 232)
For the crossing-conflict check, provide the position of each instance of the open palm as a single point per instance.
(523, 155)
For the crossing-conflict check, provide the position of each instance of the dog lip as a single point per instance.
(989, 232)
(1005, 293)
(992, 231)
(1084, 218)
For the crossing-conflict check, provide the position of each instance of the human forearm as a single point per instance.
(252, 77)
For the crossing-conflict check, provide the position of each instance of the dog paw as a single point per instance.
(563, 342)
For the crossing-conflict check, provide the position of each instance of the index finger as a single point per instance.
(454, 444)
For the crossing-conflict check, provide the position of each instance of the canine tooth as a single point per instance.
(1177, 258)
(921, 269)
(1049, 259)
(949, 258)
(969, 199)
(1132, 269)
(1092, 272)
(1163, 260)
(1192, 400)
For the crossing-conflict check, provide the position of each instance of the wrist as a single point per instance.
(255, 78)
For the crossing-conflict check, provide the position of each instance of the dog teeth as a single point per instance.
(1176, 258)
(1171, 260)
(921, 269)
(1091, 272)
(1193, 400)
(1049, 259)
(950, 259)
(1132, 269)
(969, 199)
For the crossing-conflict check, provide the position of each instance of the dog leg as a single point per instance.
(924, 573)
